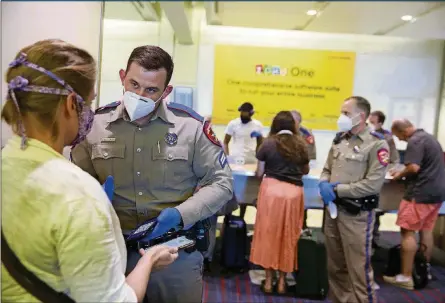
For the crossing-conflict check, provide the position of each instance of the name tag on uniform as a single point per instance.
(108, 140)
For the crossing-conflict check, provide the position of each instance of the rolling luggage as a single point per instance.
(312, 274)
(234, 244)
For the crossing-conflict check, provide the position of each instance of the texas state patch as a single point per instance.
(310, 140)
(208, 131)
(383, 156)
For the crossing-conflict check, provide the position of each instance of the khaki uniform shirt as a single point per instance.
(393, 152)
(158, 164)
(310, 142)
(358, 163)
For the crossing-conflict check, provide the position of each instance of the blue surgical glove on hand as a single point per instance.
(108, 186)
(168, 218)
(255, 134)
(327, 191)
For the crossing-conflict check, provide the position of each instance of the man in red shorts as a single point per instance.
(425, 191)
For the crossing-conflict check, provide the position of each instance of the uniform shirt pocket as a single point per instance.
(356, 164)
(175, 164)
(106, 158)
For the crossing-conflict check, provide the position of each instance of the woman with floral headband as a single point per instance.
(56, 218)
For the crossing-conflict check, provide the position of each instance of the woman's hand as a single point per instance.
(159, 255)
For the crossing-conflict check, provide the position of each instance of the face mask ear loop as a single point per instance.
(21, 126)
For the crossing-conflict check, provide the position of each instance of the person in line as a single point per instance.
(247, 134)
(425, 191)
(375, 122)
(283, 159)
(308, 137)
(352, 178)
(306, 134)
(56, 218)
(158, 154)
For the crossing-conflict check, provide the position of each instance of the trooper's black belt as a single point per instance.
(355, 205)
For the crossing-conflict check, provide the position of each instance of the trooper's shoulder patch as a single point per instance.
(208, 131)
(307, 135)
(383, 156)
(185, 109)
(108, 106)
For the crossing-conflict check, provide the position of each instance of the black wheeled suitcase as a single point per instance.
(312, 274)
(234, 244)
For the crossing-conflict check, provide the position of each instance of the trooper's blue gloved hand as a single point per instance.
(108, 186)
(255, 134)
(327, 191)
(168, 218)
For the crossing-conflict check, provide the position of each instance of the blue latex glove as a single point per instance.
(168, 218)
(255, 134)
(108, 186)
(327, 191)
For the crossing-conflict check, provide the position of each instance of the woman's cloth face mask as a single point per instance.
(86, 115)
(137, 106)
(345, 123)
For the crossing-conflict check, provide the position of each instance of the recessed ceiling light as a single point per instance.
(407, 18)
(311, 12)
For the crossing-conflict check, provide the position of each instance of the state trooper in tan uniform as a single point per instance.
(306, 134)
(376, 120)
(159, 154)
(352, 177)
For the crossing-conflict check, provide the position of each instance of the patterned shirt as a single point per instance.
(59, 222)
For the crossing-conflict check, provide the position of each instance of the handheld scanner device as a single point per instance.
(142, 231)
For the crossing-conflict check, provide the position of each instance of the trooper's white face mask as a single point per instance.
(346, 123)
(138, 106)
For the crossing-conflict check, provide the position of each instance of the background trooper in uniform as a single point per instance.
(158, 154)
(306, 134)
(376, 120)
(355, 168)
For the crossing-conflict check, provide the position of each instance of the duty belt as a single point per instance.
(355, 205)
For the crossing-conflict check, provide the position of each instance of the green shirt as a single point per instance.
(59, 222)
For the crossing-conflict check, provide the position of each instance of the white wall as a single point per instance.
(24, 23)
(120, 37)
(389, 72)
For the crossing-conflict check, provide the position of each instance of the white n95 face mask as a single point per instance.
(138, 106)
(344, 123)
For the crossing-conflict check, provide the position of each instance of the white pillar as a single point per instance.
(24, 23)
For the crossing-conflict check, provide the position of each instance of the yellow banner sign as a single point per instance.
(315, 82)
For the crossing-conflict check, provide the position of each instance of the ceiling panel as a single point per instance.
(339, 17)
(430, 26)
(365, 17)
(121, 10)
(273, 14)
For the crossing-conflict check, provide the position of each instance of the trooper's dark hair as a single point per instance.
(152, 58)
(380, 116)
(361, 104)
